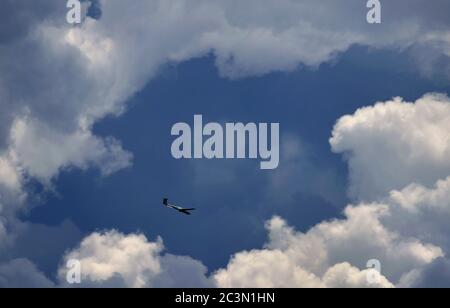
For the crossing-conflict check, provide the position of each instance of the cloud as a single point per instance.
(254, 38)
(2, 230)
(105, 255)
(44, 152)
(21, 273)
(435, 275)
(9, 175)
(393, 144)
(266, 269)
(115, 259)
(289, 259)
(428, 209)
(12, 199)
(314, 259)
(41, 244)
(346, 276)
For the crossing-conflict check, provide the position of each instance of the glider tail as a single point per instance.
(166, 201)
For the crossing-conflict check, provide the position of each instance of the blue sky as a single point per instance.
(85, 143)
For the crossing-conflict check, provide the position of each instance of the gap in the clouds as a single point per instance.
(95, 10)
(233, 197)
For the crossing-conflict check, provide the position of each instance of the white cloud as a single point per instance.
(115, 259)
(12, 198)
(274, 269)
(315, 258)
(396, 143)
(105, 255)
(267, 269)
(346, 276)
(290, 259)
(9, 175)
(43, 152)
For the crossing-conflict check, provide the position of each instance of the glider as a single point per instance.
(177, 208)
